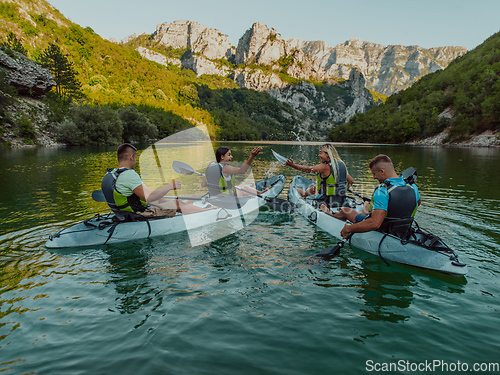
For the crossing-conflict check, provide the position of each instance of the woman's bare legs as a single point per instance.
(311, 191)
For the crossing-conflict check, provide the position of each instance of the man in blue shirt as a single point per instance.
(403, 204)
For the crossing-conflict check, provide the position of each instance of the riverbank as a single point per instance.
(488, 138)
(25, 125)
(34, 111)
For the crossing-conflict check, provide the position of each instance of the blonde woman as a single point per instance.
(332, 180)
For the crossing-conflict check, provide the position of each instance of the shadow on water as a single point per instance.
(385, 291)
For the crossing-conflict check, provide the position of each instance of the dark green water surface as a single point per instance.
(247, 303)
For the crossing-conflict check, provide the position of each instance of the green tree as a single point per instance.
(97, 125)
(189, 93)
(62, 69)
(136, 125)
(14, 44)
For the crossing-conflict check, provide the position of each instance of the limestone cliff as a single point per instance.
(285, 68)
(387, 69)
(263, 46)
(326, 105)
(210, 43)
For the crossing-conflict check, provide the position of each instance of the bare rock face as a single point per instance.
(308, 99)
(263, 46)
(210, 43)
(264, 61)
(27, 76)
(257, 79)
(259, 45)
(202, 65)
(387, 69)
(158, 57)
(178, 34)
(363, 99)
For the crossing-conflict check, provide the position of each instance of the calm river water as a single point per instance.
(247, 303)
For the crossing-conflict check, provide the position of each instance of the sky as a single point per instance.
(426, 23)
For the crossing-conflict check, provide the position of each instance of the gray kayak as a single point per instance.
(421, 249)
(202, 227)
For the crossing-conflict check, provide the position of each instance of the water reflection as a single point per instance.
(386, 292)
(128, 270)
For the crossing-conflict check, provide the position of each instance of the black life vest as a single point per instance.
(401, 209)
(216, 182)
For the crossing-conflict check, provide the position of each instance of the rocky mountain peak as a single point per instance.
(259, 45)
(210, 43)
(387, 69)
(178, 34)
(355, 42)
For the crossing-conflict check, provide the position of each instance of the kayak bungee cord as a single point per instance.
(379, 245)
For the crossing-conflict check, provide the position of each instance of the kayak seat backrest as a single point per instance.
(124, 216)
(398, 227)
(334, 201)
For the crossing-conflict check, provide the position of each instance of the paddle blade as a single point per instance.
(331, 251)
(334, 250)
(98, 196)
(182, 168)
(278, 157)
(409, 175)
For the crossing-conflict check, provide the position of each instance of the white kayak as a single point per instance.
(422, 248)
(202, 227)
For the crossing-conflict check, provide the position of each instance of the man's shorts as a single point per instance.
(360, 217)
(167, 209)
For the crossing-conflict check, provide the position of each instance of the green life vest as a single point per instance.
(216, 182)
(116, 200)
(328, 186)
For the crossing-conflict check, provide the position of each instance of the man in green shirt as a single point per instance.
(125, 191)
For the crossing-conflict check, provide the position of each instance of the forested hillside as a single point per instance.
(112, 76)
(464, 98)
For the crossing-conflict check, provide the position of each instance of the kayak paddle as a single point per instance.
(98, 196)
(334, 250)
(359, 196)
(281, 205)
(278, 157)
(184, 168)
(229, 203)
